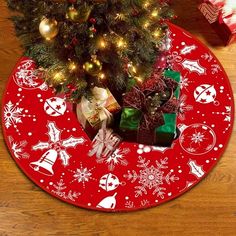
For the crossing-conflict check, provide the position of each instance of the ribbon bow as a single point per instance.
(96, 106)
(104, 143)
(154, 98)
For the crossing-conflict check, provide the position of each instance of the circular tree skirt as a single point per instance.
(49, 145)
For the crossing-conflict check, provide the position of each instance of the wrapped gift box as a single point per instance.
(91, 112)
(221, 14)
(153, 127)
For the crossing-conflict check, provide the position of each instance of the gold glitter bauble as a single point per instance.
(48, 28)
(93, 67)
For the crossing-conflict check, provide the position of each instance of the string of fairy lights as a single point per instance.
(49, 29)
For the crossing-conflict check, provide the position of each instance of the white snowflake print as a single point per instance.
(207, 56)
(18, 148)
(115, 159)
(29, 78)
(215, 68)
(56, 143)
(227, 116)
(191, 149)
(184, 83)
(82, 175)
(13, 114)
(183, 107)
(129, 204)
(151, 177)
(197, 137)
(144, 203)
(59, 187)
(226, 113)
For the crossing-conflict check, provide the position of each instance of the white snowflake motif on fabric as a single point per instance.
(144, 203)
(60, 186)
(27, 76)
(227, 116)
(197, 137)
(129, 204)
(82, 175)
(215, 68)
(18, 148)
(183, 107)
(151, 177)
(13, 114)
(57, 144)
(207, 56)
(115, 159)
(184, 83)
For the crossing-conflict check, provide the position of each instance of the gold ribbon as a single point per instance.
(96, 106)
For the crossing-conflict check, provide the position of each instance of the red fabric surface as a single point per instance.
(39, 125)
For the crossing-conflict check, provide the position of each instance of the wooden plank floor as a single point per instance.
(208, 209)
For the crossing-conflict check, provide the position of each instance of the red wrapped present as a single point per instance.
(221, 14)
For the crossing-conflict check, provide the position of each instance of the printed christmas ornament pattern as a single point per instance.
(49, 145)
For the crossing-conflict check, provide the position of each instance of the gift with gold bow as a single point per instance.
(150, 110)
(92, 111)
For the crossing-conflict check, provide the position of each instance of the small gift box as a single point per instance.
(150, 111)
(104, 143)
(221, 14)
(91, 112)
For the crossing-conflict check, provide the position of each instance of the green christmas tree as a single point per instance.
(80, 42)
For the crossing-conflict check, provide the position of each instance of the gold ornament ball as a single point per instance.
(80, 15)
(93, 67)
(48, 28)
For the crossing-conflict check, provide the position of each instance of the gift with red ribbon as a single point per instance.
(221, 14)
(149, 110)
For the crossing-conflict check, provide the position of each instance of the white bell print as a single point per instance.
(45, 163)
(108, 202)
(110, 182)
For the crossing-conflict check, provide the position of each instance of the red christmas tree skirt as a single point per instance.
(49, 145)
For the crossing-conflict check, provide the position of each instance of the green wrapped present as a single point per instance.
(150, 110)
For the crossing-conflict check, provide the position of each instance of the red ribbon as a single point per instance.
(137, 98)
